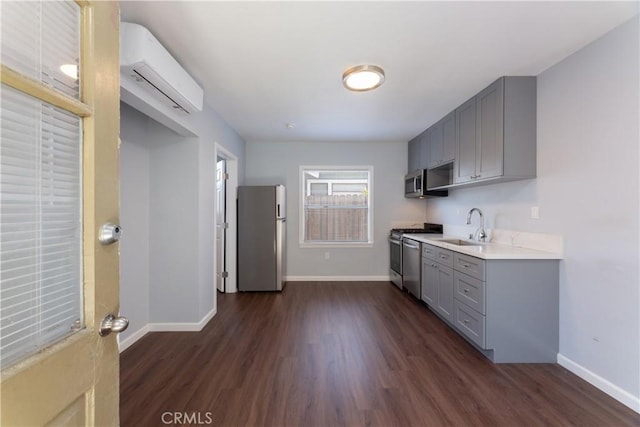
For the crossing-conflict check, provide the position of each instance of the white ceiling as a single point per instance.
(264, 64)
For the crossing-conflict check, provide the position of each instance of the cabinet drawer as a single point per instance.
(472, 266)
(443, 256)
(470, 323)
(429, 251)
(470, 291)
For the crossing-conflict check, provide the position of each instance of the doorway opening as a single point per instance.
(225, 222)
(221, 224)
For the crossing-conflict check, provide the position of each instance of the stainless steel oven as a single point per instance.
(395, 249)
(395, 258)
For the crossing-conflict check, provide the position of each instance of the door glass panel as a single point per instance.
(40, 224)
(42, 41)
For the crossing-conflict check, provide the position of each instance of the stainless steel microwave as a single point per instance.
(415, 186)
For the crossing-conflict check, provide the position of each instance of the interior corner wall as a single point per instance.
(587, 190)
(270, 163)
(167, 279)
(173, 227)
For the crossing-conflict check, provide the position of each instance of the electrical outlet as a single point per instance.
(535, 212)
(327, 255)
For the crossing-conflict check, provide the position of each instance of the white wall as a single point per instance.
(213, 129)
(173, 228)
(278, 163)
(587, 190)
(134, 219)
(168, 193)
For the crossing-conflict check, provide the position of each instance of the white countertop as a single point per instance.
(484, 250)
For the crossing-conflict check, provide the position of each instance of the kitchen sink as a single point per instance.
(459, 242)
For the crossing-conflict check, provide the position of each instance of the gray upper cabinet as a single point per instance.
(490, 138)
(413, 154)
(496, 133)
(441, 142)
(489, 135)
(418, 153)
(465, 164)
(449, 137)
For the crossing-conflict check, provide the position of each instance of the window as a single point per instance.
(336, 205)
(40, 178)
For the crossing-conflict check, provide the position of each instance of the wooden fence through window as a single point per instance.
(337, 218)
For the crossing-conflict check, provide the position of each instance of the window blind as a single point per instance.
(336, 205)
(40, 40)
(40, 224)
(40, 182)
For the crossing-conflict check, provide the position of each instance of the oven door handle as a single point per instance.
(410, 246)
(394, 241)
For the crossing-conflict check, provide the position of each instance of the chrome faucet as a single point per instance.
(480, 234)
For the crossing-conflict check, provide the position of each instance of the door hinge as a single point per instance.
(225, 274)
(225, 176)
(225, 225)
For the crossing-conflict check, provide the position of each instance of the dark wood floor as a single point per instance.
(333, 354)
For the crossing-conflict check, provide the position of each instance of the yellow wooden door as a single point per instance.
(75, 381)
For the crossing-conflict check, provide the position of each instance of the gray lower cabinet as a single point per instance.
(429, 282)
(444, 303)
(470, 323)
(438, 280)
(507, 308)
(495, 136)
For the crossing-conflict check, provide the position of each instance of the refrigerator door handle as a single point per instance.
(278, 213)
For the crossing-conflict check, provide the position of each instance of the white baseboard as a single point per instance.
(606, 386)
(166, 327)
(131, 339)
(337, 278)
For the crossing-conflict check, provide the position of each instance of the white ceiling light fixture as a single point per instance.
(363, 77)
(70, 70)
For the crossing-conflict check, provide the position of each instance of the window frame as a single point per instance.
(301, 217)
(80, 105)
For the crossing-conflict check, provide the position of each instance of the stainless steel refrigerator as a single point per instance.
(262, 237)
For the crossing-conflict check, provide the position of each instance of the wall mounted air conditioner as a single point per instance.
(146, 62)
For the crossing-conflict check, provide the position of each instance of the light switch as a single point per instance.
(535, 212)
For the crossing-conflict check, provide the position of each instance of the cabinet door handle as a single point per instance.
(466, 291)
(443, 256)
(465, 321)
(465, 265)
